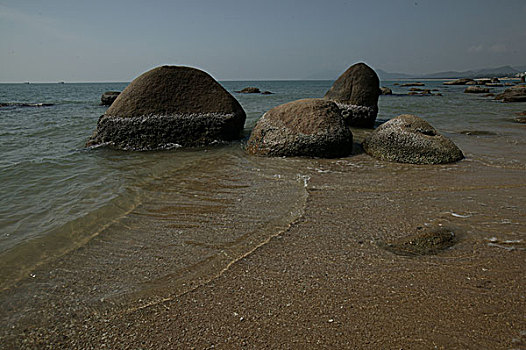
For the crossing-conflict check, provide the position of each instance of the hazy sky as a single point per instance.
(113, 40)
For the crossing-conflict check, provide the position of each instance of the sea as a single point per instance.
(174, 216)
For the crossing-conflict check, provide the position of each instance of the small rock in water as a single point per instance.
(386, 91)
(249, 90)
(413, 84)
(424, 242)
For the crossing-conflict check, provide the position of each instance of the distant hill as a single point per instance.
(478, 73)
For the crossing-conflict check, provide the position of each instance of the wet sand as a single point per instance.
(323, 282)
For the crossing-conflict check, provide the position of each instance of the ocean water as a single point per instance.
(209, 205)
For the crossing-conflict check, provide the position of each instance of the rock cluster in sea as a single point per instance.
(309, 127)
(356, 92)
(173, 106)
(169, 106)
(410, 139)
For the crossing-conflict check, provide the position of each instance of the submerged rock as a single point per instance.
(109, 97)
(309, 127)
(477, 132)
(267, 93)
(410, 139)
(167, 106)
(476, 90)
(426, 241)
(356, 92)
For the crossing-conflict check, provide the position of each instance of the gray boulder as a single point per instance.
(309, 128)
(109, 97)
(410, 139)
(169, 106)
(356, 92)
(476, 90)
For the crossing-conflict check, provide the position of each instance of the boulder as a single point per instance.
(476, 90)
(108, 97)
(309, 128)
(495, 80)
(410, 139)
(169, 106)
(494, 84)
(356, 92)
(513, 94)
(462, 81)
(249, 90)
(267, 93)
(386, 91)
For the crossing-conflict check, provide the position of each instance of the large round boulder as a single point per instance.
(309, 128)
(410, 139)
(169, 106)
(356, 92)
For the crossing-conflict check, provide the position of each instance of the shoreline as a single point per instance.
(325, 282)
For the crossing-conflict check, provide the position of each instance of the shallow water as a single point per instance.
(210, 205)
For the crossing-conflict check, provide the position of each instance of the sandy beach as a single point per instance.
(323, 282)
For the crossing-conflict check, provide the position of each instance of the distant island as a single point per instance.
(499, 72)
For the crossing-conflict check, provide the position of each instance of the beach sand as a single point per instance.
(324, 282)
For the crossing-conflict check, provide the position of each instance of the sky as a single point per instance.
(114, 40)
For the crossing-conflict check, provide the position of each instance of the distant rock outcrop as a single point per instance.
(309, 128)
(109, 97)
(462, 81)
(476, 90)
(410, 139)
(169, 106)
(513, 94)
(356, 92)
